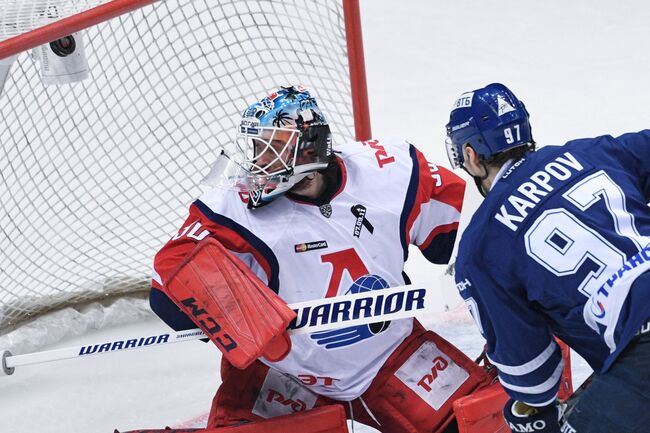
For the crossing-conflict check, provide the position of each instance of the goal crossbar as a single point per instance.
(68, 25)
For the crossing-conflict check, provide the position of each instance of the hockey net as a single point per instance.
(95, 176)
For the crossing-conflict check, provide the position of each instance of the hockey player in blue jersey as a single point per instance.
(559, 247)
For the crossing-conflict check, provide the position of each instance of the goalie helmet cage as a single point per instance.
(95, 176)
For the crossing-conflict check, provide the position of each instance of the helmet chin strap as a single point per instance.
(478, 180)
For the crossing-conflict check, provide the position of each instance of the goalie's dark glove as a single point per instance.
(521, 417)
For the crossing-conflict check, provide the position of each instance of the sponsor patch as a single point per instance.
(464, 100)
(282, 395)
(309, 246)
(460, 126)
(432, 375)
(376, 303)
(250, 126)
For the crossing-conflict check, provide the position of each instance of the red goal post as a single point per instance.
(97, 174)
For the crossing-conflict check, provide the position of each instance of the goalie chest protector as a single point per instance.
(357, 242)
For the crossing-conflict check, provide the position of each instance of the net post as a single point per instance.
(69, 25)
(357, 70)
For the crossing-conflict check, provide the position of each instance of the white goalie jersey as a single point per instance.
(388, 197)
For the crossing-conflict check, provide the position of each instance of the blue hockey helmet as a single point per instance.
(491, 120)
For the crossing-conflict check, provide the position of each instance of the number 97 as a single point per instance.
(510, 136)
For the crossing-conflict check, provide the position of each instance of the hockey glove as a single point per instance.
(521, 417)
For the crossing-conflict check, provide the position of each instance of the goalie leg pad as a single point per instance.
(482, 411)
(415, 389)
(236, 310)
(258, 393)
(327, 419)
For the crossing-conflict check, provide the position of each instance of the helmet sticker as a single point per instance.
(464, 100)
(504, 106)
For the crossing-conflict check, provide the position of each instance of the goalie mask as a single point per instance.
(280, 140)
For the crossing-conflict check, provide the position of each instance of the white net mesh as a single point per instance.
(20, 16)
(96, 176)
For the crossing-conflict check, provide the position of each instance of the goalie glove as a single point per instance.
(232, 306)
(521, 417)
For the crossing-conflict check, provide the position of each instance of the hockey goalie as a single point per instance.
(292, 218)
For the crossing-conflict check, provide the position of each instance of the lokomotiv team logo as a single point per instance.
(336, 338)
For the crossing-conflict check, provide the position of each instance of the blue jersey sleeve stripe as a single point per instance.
(530, 366)
(544, 402)
(549, 384)
(250, 238)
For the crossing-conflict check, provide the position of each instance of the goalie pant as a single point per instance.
(329, 419)
(413, 392)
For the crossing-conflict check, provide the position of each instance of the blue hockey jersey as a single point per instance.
(560, 246)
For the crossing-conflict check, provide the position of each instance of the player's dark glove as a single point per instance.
(521, 417)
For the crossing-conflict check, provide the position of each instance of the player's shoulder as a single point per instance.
(221, 201)
(522, 189)
(603, 147)
(229, 208)
(497, 219)
(383, 151)
(386, 157)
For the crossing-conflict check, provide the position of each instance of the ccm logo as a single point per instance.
(209, 325)
(296, 405)
(439, 364)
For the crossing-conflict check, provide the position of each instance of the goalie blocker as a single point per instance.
(231, 305)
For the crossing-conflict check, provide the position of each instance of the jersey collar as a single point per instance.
(336, 175)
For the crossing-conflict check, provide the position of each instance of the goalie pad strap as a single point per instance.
(326, 419)
(233, 307)
(481, 411)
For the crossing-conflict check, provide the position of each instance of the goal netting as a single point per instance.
(95, 176)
